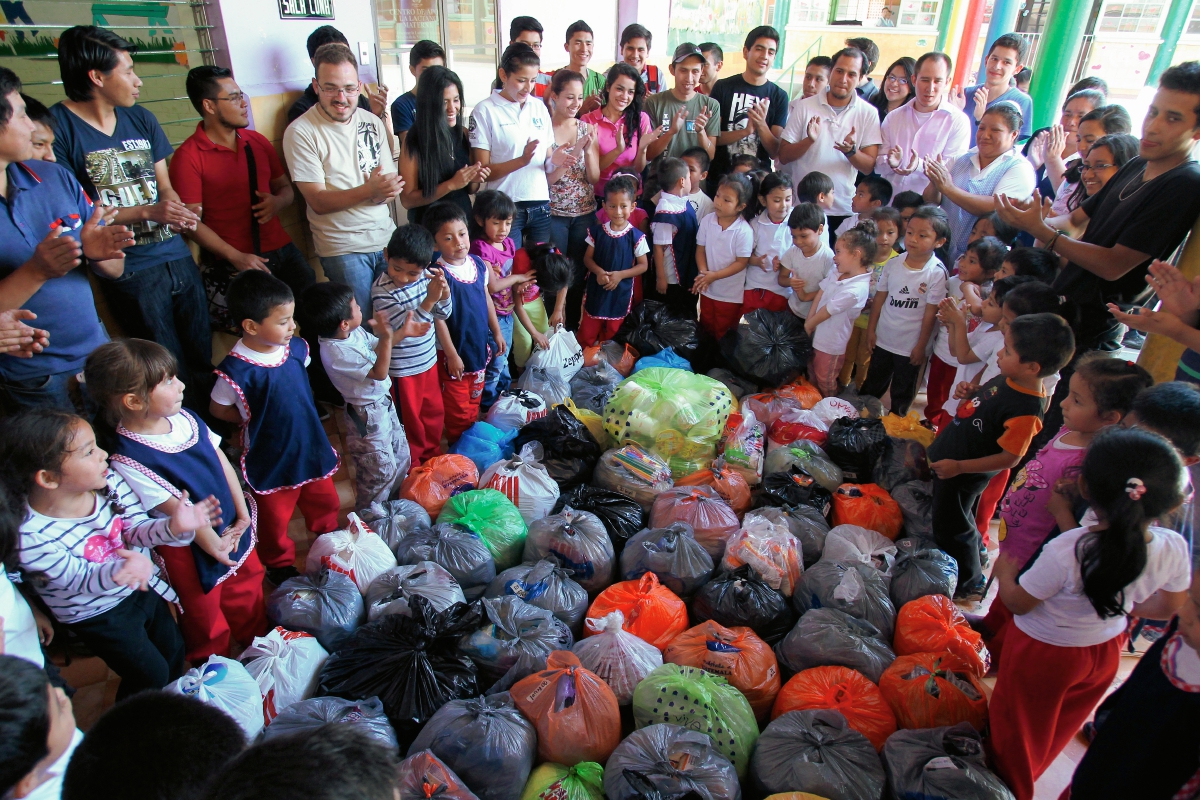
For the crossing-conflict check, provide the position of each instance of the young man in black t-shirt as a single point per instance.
(990, 433)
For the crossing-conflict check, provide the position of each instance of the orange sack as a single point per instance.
(653, 613)
(437, 480)
(573, 710)
(729, 484)
(928, 690)
(867, 506)
(736, 654)
(802, 391)
(620, 357)
(933, 624)
(844, 690)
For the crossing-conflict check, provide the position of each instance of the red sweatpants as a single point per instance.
(991, 497)
(941, 383)
(318, 502)
(1042, 697)
(419, 398)
(753, 299)
(233, 608)
(593, 330)
(998, 621)
(718, 317)
(460, 399)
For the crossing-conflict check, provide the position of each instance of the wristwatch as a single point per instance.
(851, 151)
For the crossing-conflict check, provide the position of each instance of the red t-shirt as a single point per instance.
(523, 266)
(218, 179)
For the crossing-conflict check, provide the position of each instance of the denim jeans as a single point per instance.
(289, 265)
(45, 391)
(496, 378)
(569, 235)
(532, 221)
(358, 271)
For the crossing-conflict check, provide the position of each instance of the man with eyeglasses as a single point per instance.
(326, 34)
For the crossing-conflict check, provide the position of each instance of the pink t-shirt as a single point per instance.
(1025, 521)
(500, 262)
(606, 138)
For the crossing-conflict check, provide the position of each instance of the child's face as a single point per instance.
(62, 726)
(778, 203)
(276, 329)
(453, 241)
(404, 272)
(906, 215)
(1007, 315)
(808, 240)
(356, 316)
(1007, 270)
(726, 203)
(848, 261)
(696, 176)
(166, 398)
(991, 312)
(982, 227)
(618, 206)
(969, 268)
(43, 143)
(862, 202)
(889, 232)
(816, 78)
(85, 466)
(496, 230)
(1007, 359)
(1079, 409)
(920, 238)
(825, 200)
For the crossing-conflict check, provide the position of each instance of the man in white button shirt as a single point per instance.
(835, 132)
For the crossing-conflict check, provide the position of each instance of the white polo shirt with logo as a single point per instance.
(822, 156)
(504, 128)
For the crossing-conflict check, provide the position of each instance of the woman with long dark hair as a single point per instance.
(898, 87)
(435, 161)
(623, 130)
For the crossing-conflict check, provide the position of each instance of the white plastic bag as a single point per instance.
(225, 684)
(524, 481)
(770, 549)
(286, 665)
(801, 416)
(540, 381)
(515, 409)
(834, 408)
(616, 655)
(393, 590)
(357, 551)
(562, 358)
(851, 544)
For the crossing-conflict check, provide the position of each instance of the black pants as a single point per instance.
(898, 373)
(679, 301)
(834, 223)
(954, 528)
(139, 640)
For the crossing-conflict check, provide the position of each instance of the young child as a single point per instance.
(550, 273)
(816, 187)
(162, 450)
(410, 289)
(674, 230)
(744, 164)
(463, 335)
(493, 215)
(839, 300)
(805, 264)
(357, 362)
(992, 225)
(1032, 261)
(638, 217)
(976, 268)
(907, 204)
(697, 161)
(85, 543)
(991, 432)
(772, 238)
(724, 244)
(1070, 606)
(858, 355)
(38, 731)
(905, 309)
(287, 460)
(871, 193)
(621, 249)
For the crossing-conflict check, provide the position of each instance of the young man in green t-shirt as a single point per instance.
(579, 47)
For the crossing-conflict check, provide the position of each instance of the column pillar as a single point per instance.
(1057, 51)
(957, 20)
(970, 40)
(1004, 20)
(1172, 28)
(945, 14)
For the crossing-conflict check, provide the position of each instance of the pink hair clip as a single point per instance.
(1135, 488)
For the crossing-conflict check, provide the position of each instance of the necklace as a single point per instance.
(1121, 196)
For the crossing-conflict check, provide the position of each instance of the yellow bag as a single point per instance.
(593, 421)
(909, 427)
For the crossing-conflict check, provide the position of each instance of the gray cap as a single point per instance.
(686, 51)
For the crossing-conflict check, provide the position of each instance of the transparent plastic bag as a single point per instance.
(286, 665)
(458, 550)
(817, 751)
(671, 553)
(947, 761)
(828, 637)
(515, 409)
(225, 684)
(844, 690)
(326, 604)
(524, 481)
(394, 520)
(573, 710)
(635, 472)
(584, 781)
(392, 591)
(851, 544)
(620, 658)
(857, 589)
(741, 598)
(732, 487)
(537, 380)
(804, 522)
(742, 445)
(796, 425)
(423, 775)
(768, 548)
(807, 456)
(484, 444)
(494, 518)
(651, 610)
(439, 479)
(512, 627)
(620, 357)
(546, 585)
(577, 541)
(921, 571)
(667, 761)
(767, 407)
(736, 654)
(712, 521)
(307, 715)
(356, 551)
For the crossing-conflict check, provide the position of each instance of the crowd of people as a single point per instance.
(922, 234)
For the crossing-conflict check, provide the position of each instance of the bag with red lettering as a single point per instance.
(357, 551)
(286, 665)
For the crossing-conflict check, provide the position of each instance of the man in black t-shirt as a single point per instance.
(753, 109)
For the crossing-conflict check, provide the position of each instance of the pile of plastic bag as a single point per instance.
(437, 480)
(928, 690)
(621, 659)
(492, 517)
(728, 482)
(741, 598)
(843, 690)
(635, 472)
(392, 592)
(307, 715)
(572, 709)
(356, 551)
(806, 523)
(669, 761)
(592, 386)
(621, 516)
(326, 604)
(736, 654)
(649, 328)
(515, 409)
(941, 762)
(857, 589)
(524, 481)
(796, 425)
(484, 444)
(225, 684)
(577, 541)
(769, 347)
(818, 753)
(868, 506)
(671, 553)
(651, 611)
(423, 775)
(828, 637)
(792, 488)
(921, 571)
(570, 452)
(768, 547)
(285, 665)
(933, 624)
(456, 549)
(394, 520)
(546, 585)
(807, 456)
(512, 627)
(620, 357)
(711, 519)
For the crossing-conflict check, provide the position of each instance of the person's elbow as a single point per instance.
(224, 412)
(1160, 605)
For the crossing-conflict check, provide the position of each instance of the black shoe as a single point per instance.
(277, 575)
(971, 594)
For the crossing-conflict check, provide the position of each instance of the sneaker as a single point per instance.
(277, 575)
(1134, 339)
(970, 594)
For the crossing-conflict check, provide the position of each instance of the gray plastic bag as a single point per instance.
(673, 554)
(326, 604)
(921, 570)
(579, 543)
(809, 457)
(392, 591)
(940, 764)
(513, 627)
(815, 751)
(856, 589)
(457, 549)
(826, 636)
(365, 715)
(805, 522)
(675, 761)
(394, 520)
(546, 585)
(592, 386)
(915, 499)
(487, 743)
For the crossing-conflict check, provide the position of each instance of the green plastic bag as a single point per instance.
(494, 519)
(584, 781)
(699, 701)
(674, 413)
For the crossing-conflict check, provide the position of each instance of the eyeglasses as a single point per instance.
(1086, 167)
(334, 91)
(237, 98)
(894, 79)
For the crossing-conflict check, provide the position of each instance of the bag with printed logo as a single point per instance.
(225, 684)
(286, 665)
(524, 481)
(515, 409)
(439, 479)
(736, 654)
(562, 358)
(356, 551)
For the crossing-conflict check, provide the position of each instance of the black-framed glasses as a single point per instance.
(1086, 167)
(237, 98)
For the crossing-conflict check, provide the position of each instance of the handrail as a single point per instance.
(790, 71)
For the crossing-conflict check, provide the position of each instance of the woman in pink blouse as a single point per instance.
(622, 129)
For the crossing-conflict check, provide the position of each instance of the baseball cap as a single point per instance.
(686, 51)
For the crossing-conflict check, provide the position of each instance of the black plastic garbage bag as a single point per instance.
(915, 499)
(487, 743)
(578, 542)
(592, 386)
(395, 519)
(546, 585)
(804, 522)
(571, 452)
(673, 761)
(365, 715)
(919, 571)
(901, 460)
(815, 751)
(792, 488)
(509, 628)
(326, 604)
(526, 665)
(649, 328)
(455, 548)
(940, 764)
(673, 554)
(621, 516)
(771, 347)
(738, 387)
(826, 636)
(857, 589)
(855, 445)
(741, 598)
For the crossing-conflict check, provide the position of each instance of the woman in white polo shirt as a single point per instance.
(511, 134)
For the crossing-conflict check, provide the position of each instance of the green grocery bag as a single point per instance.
(699, 701)
(494, 519)
(584, 781)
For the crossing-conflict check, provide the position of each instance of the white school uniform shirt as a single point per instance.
(150, 493)
(347, 362)
(822, 156)
(504, 128)
(771, 240)
(845, 299)
(226, 395)
(701, 203)
(721, 248)
(985, 341)
(848, 223)
(908, 292)
(1066, 617)
(664, 233)
(811, 270)
(20, 628)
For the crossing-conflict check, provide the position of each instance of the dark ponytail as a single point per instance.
(764, 185)
(862, 238)
(516, 55)
(745, 188)
(34, 440)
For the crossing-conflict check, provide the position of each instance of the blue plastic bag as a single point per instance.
(485, 444)
(664, 358)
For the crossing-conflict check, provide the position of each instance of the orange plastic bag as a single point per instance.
(653, 613)
(621, 357)
(844, 690)
(933, 624)
(867, 506)
(736, 654)
(928, 690)
(728, 483)
(575, 713)
(437, 480)
(768, 407)
(802, 391)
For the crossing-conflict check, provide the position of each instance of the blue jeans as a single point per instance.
(358, 271)
(569, 235)
(532, 221)
(496, 378)
(46, 391)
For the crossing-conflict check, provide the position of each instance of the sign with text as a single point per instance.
(306, 9)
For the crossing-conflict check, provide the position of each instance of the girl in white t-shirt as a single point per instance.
(1070, 606)
(838, 303)
(772, 238)
(724, 244)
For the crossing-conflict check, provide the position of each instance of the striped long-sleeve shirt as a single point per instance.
(72, 562)
(416, 354)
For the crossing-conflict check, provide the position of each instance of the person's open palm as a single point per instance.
(814, 127)
(1179, 294)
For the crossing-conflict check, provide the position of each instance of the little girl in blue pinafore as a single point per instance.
(615, 258)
